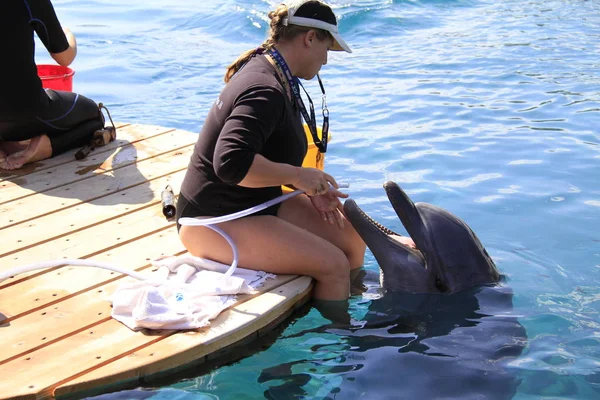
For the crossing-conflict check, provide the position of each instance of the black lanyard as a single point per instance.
(311, 121)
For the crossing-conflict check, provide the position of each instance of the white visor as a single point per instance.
(338, 45)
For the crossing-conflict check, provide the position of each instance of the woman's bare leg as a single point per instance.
(300, 212)
(274, 245)
(39, 148)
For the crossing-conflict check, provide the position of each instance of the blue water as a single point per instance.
(490, 109)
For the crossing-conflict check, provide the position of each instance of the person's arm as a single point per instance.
(236, 157)
(264, 172)
(59, 42)
(65, 58)
(312, 181)
(247, 128)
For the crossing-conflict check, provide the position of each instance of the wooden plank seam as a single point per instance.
(103, 172)
(90, 255)
(72, 159)
(93, 198)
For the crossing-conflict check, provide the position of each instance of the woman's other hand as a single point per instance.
(330, 206)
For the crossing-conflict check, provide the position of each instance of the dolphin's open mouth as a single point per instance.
(376, 224)
(447, 258)
(362, 221)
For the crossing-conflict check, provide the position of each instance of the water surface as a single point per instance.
(490, 109)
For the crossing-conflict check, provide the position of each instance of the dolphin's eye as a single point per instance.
(440, 285)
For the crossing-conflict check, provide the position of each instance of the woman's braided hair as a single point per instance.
(277, 33)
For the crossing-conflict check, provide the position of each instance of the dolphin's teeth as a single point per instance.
(377, 224)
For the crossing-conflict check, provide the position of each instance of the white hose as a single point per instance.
(201, 221)
(205, 221)
(69, 261)
(234, 264)
(209, 222)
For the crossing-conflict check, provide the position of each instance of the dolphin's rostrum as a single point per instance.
(449, 257)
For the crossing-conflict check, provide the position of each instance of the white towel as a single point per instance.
(189, 292)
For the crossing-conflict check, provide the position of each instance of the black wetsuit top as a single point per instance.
(252, 115)
(21, 94)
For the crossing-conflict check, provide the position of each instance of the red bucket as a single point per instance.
(56, 77)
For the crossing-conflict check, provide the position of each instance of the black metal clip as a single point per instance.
(101, 137)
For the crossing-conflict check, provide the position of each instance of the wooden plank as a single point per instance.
(93, 189)
(70, 316)
(91, 241)
(178, 351)
(51, 178)
(85, 215)
(133, 133)
(59, 332)
(49, 289)
(69, 155)
(38, 373)
(34, 375)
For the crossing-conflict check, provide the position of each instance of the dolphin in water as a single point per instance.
(449, 257)
(441, 324)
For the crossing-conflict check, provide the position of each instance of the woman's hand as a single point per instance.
(330, 206)
(313, 181)
(323, 192)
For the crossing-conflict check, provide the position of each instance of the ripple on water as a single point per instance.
(489, 109)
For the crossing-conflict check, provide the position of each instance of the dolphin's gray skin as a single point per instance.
(441, 328)
(449, 257)
(413, 346)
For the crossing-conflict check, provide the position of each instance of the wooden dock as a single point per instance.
(57, 337)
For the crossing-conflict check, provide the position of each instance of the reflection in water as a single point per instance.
(416, 346)
(434, 97)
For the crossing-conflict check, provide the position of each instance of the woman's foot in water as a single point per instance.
(39, 148)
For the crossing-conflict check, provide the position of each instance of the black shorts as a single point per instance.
(186, 209)
(68, 119)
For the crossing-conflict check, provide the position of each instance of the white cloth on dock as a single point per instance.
(189, 292)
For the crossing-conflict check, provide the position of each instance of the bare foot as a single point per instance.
(39, 148)
(12, 147)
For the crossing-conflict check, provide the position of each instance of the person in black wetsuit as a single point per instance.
(36, 124)
(252, 142)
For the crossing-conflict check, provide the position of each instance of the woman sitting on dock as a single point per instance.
(36, 124)
(252, 142)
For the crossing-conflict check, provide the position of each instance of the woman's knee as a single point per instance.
(69, 109)
(336, 267)
(87, 108)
